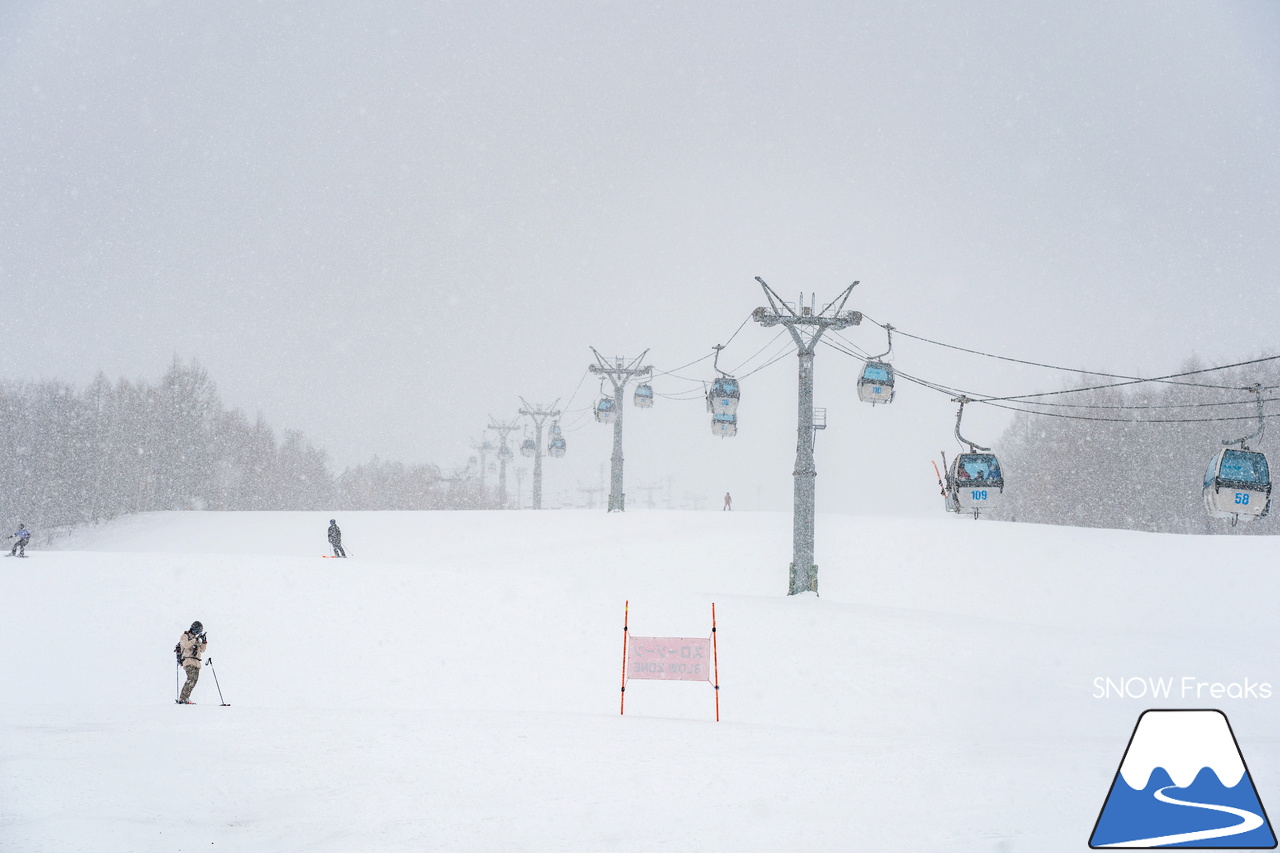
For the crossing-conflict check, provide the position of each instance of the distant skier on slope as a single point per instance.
(335, 538)
(190, 647)
(728, 502)
(23, 536)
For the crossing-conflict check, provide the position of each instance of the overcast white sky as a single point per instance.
(381, 223)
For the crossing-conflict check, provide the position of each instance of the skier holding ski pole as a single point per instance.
(190, 647)
(335, 538)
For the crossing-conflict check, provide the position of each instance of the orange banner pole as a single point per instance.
(626, 616)
(715, 656)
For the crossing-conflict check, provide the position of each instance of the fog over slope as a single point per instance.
(381, 225)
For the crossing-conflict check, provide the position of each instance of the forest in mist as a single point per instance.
(81, 456)
(1101, 454)
(1134, 456)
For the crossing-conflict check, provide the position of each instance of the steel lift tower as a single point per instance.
(619, 376)
(504, 453)
(806, 327)
(538, 414)
(482, 447)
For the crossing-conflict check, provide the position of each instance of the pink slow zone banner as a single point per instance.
(669, 658)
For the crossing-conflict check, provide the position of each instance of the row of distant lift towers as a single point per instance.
(805, 324)
(620, 375)
(539, 414)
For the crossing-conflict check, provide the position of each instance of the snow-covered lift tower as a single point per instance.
(539, 415)
(619, 375)
(482, 447)
(504, 453)
(806, 326)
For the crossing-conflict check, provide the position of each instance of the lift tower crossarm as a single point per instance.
(539, 415)
(619, 376)
(806, 327)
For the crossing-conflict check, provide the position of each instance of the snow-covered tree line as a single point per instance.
(79, 456)
(1110, 465)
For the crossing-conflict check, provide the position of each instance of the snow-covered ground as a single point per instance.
(454, 685)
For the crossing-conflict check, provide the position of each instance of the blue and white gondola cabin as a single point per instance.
(875, 385)
(724, 425)
(722, 398)
(606, 412)
(556, 447)
(643, 397)
(1237, 485)
(528, 448)
(976, 482)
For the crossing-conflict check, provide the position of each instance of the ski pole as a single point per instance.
(224, 702)
(177, 665)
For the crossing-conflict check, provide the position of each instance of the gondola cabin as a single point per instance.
(556, 446)
(528, 448)
(644, 397)
(724, 425)
(875, 385)
(722, 397)
(1237, 485)
(976, 483)
(606, 412)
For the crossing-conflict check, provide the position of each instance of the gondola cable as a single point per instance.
(1028, 398)
(1001, 402)
(1080, 370)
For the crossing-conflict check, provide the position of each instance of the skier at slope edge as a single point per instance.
(23, 536)
(335, 538)
(190, 647)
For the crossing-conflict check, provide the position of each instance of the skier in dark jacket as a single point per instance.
(23, 536)
(335, 538)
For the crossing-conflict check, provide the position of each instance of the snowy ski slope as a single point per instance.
(454, 685)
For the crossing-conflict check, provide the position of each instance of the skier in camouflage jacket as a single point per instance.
(190, 647)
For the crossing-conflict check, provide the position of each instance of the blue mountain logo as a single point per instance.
(1183, 783)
